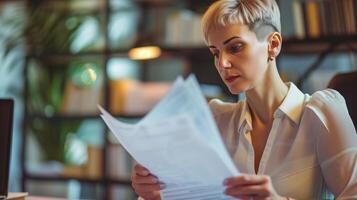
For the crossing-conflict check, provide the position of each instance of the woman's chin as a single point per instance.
(236, 91)
(238, 86)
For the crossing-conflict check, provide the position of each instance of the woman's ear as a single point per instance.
(275, 41)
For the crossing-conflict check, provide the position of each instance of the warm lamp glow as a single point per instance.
(144, 53)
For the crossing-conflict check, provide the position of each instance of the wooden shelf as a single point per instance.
(167, 51)
(82, 180)
(61, 6)
(65, 117)
(323, 39)
(319, 45)
(290, 46)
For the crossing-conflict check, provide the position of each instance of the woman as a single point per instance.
(287, 144)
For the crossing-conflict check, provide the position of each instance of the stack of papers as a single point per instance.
(179, 142)
(16, 196)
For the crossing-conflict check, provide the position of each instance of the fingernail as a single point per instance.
(154, 180)
(145, 172)
(225, 182)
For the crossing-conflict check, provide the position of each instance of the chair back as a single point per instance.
(346, 83)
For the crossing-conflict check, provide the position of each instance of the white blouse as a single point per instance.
(311, 150)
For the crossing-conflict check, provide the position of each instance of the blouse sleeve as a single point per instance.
(336, 144)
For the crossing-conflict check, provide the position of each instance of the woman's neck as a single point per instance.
(266, 96)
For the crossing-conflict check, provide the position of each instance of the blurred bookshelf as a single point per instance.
(61, 107)
(66, 79)
(321, 28)
(316, 19)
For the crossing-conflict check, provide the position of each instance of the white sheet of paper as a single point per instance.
(179, 143)
(186, 97)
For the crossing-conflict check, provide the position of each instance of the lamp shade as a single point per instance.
(144, 53)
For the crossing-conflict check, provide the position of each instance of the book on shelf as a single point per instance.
(183, 28)
(122, 193)
(314, 18)
(73, 171)
(298, 20)
(132, 97)
(81, 99)
(324, 14)
(350, 15)
(120, 163)
(92, 169)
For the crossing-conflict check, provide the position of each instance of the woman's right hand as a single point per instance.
(145, 184)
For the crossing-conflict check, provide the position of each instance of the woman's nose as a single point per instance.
(224, 62)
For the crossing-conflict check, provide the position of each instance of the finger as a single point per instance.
(246, 180)
(263, 198)
(243, 197)
(150, 179)
(251, 190)
(148, 195)
(141, 170)
(151, 195)
(143, 188)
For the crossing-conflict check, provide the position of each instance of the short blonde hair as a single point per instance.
(257, 14)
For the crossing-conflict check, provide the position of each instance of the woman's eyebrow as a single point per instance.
(228, 40)
(225, 42)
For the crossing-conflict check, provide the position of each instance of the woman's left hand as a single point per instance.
(250, 187)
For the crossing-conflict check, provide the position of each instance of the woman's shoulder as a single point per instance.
(219, 107)
(329, 107)
(326, 98)
(325, 102)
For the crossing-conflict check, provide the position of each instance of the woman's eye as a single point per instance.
(235, 49)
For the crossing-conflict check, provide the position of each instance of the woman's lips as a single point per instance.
(231, 79)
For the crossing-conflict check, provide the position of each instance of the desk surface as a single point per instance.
(24, 196)
(42, 198)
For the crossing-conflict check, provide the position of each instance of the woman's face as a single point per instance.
(240, 59)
